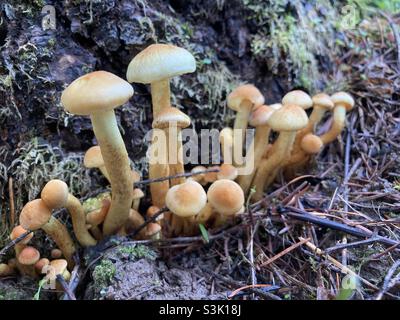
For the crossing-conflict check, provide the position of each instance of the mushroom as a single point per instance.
(227, 171)
(205, 214)
(42, 263)
(156, 65)
(55, 195)
(59, 267)
(153, 231)
(211, 177)
(258, 118)
(96, 217)
(151, 211)
(16, 233)
(226, 197)
(6, 270)
(26, 261)
(137, 195)
(243, 100)
(343, 103)
(36, 215)
(226, 141)
(94, 159)
(172, 121)
(134, 221)
(287, 121)
(198, 177)
(97, 94)
(56, 253)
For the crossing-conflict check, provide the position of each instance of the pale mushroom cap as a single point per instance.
(59, 265)
(94, 92)
(344, 99)
(211, 176)
(299, 98)
(275, 106)
(225, 196)
(158, 62)
(311, 143)
(93, 158)
(245, 93)
(137, 194)
(28, 256)
(19, 231)
(226, 136)
(198, 177)
(186, 199)
(227, 171)
(323, 100)
(41, 264)
(289, 118)
(55, 194)
(260, 116)
(34, 215)
(168, 116)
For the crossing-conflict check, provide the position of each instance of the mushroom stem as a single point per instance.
(269, 167)
(78, 217)
(117, 165)
(103, 170)
(241, 120)
(160, 95)
(175, 153)
(257, 150)
(59, 233)
(338, 123)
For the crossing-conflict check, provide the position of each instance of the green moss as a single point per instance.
(95, 203)
(138, 252)
(10, 294)
(103, 274)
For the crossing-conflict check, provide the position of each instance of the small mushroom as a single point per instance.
(134, 221)
(59, 267)
(343, 103)
(40, 265)
(137, 195)
(16, 233)
(153, 231)
(287, 121)
(205, 215)
(211, 177)
(227, 171)
(55, 195)
(6, 270)
(151, 211)
(198, 177)
(299, 98)
(94, 159)
(56, 253)
(226, 141)
(26, 261)
(97, 94)
(36, 215)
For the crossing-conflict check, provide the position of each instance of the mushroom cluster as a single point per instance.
(180, 203)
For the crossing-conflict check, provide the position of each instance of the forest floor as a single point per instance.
(353, 184)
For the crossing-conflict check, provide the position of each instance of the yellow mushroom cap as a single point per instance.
(299, 98)
(97, 216)
(245, 94)
(93, 158)
(227, 171)
(260, 116)
(344, 99)
(171, 115)
(186, 199)
(34, 215)
(311, 143)
(288, 118)
(55, 194)
(59, 265)
(28, 256)
(323, 100)
(158, 62)
(19, 231)
(94, 92)
(225, 196)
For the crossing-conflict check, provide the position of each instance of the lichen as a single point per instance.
(103, 274)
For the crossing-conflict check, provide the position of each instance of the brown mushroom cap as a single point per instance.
(227, 171)
(152, 229)
(19, 231)
(226, 197)
(34, 215)
(170, 115)
(344, 99)
(56, 253)
(41, 264)
(288, 118)
(245, 93)
(298, 97)
(94, 92)
(28, 256)
(158, 62)
(59, 265)
(211, 176)
(260, 116)
(152, 210)
(186, 199)
(55, 194)
(311, 143)
(93, 158)
(323, 100)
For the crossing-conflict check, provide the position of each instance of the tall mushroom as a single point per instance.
(287, 121)
(343, 103)
(243, 100)
(156, 65)
(94, 159)
(97, 94)
(226, 141)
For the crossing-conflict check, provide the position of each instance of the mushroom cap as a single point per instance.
(152, 229)
(245, 93)
(198, 177)
(137, 194)
(260, 116)
(288, 118)
(299, 98)
(323, 100)
(29, 256)
(5, 270)
(275, 106)
(344, 99)
(158, 62)
(55, 194)
(93, 158)
(56, 253)
(152, 210)
(135, 219)
(41, 264)
(227, 171)
(94, 92)
(59, 265)
(226, 136)
(210, 177)
(186, 199)
(19, 231)
(171, 115)
(34, 215)
(97, 216)
(225, 196)
(311, 143)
